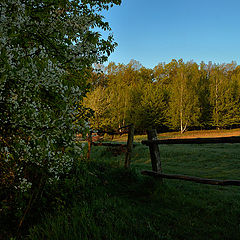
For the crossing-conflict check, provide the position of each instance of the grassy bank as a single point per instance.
(113, 203)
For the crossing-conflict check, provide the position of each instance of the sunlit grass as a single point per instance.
(188, 134)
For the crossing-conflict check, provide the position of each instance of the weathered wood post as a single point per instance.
(89, 144)
(154, 151)
(129, 146)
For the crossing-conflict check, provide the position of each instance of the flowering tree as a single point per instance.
(47, 48)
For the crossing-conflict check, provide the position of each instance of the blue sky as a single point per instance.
(154, 31)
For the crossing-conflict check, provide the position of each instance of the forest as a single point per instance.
(171, 96)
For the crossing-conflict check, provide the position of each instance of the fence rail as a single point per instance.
(153, 143)
(129, 146)
(193, 141)
(108, 144)
(193, 179)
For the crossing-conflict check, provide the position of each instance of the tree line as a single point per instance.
(176, 95)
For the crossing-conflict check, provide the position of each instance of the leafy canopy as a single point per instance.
(47, 48)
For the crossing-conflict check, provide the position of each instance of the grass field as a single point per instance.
(188, 134)
(115, 203)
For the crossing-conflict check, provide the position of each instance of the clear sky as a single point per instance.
(154, 31)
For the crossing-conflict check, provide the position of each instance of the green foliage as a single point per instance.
(151, 110)
(224, 97)
(176, 95)
(183, 103)
(47, 48)
(203, 90)
(118, 96)
(98, 102)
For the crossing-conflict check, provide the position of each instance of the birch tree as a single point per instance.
(183, 103)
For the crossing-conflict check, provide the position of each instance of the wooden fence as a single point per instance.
(129, 146)
(153, 143)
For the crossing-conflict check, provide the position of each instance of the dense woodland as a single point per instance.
(176, 95)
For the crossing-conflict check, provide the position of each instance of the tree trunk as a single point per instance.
(89, 145)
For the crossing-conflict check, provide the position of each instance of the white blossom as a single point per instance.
(39, 100)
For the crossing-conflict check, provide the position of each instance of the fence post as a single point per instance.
(129, 146)
(89, 144)
(154, 151)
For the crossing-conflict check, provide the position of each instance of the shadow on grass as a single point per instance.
(121, 204)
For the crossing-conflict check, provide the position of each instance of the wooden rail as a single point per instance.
(108, 144)
(153, 143)
(129, 146)
(193, 141)
(193, 179)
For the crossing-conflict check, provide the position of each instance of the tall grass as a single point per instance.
(114, 203)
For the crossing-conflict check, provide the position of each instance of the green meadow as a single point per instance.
(110, 202)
